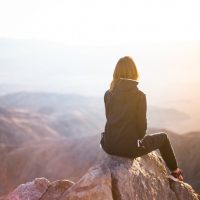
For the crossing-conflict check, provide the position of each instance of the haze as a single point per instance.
(93, 22)
(73, 46)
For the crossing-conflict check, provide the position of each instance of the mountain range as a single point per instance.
(57, 136)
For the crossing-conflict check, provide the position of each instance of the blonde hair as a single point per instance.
(125, 68)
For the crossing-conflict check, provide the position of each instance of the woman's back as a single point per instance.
(125, 108)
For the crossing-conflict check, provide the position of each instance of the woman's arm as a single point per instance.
(141, 116)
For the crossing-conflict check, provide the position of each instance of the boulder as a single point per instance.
(30, 191)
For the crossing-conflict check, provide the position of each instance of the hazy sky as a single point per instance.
(162, 36)
(104, 22)
(73, 46)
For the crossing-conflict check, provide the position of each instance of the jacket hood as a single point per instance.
(126, 84)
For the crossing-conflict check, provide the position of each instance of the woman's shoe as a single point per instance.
(176, 175)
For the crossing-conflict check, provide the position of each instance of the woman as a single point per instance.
(125, 129)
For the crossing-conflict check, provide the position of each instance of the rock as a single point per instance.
(143, 178)
(183, 191)
(124, 179)
(96, 184)
(30, 191)
(115, 178)
(56, 189)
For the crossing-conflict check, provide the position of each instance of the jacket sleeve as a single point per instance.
(105, 103)
(141, 116)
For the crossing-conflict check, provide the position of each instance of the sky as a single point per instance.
(105, 22)
(72, 46)
(162, 36)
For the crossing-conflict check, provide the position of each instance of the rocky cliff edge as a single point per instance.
(113, 178)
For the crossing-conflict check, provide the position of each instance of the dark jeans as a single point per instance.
(158, 141)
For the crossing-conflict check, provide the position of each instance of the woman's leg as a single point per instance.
(159, 141)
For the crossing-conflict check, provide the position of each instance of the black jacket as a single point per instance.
(125, 109)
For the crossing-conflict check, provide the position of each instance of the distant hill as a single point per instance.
(188, 151)
(66, 110)
(54, 159)
(70, 115)
(19, 126)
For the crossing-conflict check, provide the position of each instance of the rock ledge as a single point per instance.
(113, 178)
